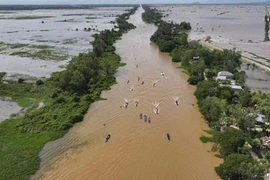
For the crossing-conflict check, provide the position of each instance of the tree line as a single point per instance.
(221, 106)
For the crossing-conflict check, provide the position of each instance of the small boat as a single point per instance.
(156, 111)
(145, 118)
(168, 137)
(107, 138)
(140, 115)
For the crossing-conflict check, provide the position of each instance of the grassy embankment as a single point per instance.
(222, 107)
(67, 96)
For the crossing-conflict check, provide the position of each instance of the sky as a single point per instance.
(2, 2)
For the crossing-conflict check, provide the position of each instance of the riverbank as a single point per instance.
(244, 59)
(66, 96)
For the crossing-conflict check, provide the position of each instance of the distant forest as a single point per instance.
(78, 6)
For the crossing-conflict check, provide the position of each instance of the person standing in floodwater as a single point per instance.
(149, 120)
(139, 78)
(142, 82)
(127, 81)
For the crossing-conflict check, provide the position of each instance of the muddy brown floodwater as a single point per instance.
(136, 149)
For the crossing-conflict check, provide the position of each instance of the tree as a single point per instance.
(39, 82)
(98, 47)
(239, 166)
(197, 67)
(226, 93)
(232, 166)
(212, 108)
(177, 54)
(266, 29)
(230, 140)
(166, 46)
(206, 88)
(245, 99)
(181, 39)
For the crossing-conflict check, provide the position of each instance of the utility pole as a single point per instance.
(266, 28)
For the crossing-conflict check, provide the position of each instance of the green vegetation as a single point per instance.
(28, 17)
(231, 114)
(66, 96)
(70, 41)
(43, 52)
(169, 35)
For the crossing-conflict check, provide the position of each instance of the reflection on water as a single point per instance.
(136, 149)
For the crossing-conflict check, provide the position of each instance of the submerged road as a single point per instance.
(136, 149)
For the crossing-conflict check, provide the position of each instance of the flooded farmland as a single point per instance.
(136, 149)
(35, 43)
(229, 26)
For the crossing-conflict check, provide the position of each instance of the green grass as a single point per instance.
(21, 54)
(41, 46)
(44, 54)
(18, 45)
(206, 139)
(27, 17)
(82, 14)
(92, 18)
(70, 41)
(20, 151)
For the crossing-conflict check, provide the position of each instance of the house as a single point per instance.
(266, 141)
(234, 87)
(260, 118)
(224, 75)
(196, 56)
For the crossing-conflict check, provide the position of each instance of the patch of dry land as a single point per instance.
(229, 26)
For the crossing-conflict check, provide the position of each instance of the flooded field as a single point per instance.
(239, 26)
(136, 149)
(38, 42)
(258, 79)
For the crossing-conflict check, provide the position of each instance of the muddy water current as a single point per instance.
(136, 149)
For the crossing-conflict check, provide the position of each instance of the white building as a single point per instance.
(224, 75)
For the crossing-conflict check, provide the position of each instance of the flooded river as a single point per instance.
(136, 149)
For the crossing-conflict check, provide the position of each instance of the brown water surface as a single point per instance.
(136, 149)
